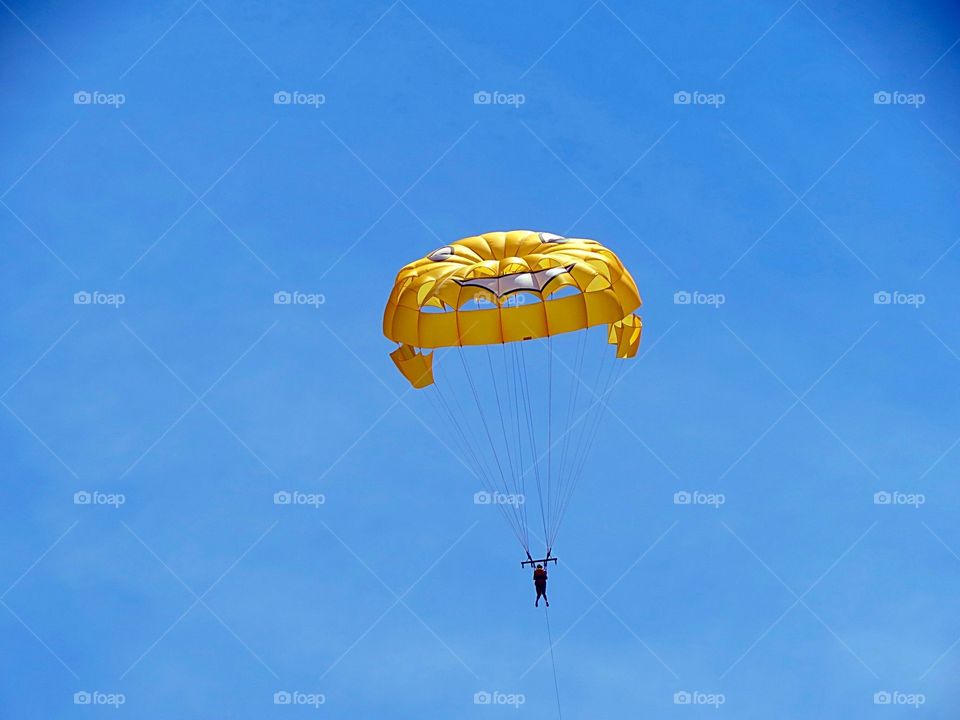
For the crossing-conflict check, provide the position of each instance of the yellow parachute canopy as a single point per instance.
(427, 309)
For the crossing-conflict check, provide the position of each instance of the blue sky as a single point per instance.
(794, 196)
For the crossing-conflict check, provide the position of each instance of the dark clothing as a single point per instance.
(540, 584)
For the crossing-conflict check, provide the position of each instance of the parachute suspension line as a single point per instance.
(553, 661)
(590, 418)
(493, 447)
(465, 444)
(515, 490)
(514, 406)
(528, 407)
(476, 455)
(584, 437)
(524, 407)
(483, 417)
(601, 411)
(496, 392)
(616, 371)
(486, 476)
(603, 367)
(453, 416)
(481, 470)
(563, 471)
(550, 509)
(571, 457)
(572, 399)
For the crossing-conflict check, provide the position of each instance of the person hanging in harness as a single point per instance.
(540, 583)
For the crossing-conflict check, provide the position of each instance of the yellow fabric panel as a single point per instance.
(405, 324)
(524, 322)
(625, 334)
(416, 368)
(478, 327)
(436, 330)
(559, 282)
(388, 314)
(626, 292)
(602, 307)
(566, 314)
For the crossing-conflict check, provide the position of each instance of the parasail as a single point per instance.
(509, 334)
